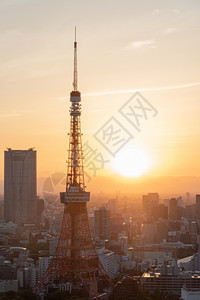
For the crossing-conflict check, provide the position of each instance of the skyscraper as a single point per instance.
(20, 186)
(102, 223)
(149, 201)
(198, 206)
(173, 204)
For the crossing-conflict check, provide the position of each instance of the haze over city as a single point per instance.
(152, 47)
(99, 162)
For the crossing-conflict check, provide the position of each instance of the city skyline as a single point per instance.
(153, 48)
(101, 150)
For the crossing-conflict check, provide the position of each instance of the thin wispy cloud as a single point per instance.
(10, 115)
(176, 11)
(170, 30)
(4, 115)
(157, 11)
(153, 89)
(142, 44)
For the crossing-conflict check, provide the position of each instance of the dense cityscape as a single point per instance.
(144, 242)
(99, 183)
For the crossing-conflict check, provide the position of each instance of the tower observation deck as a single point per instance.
(75, 262)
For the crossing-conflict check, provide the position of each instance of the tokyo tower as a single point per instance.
(75, 261)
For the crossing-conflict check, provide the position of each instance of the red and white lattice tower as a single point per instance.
(75, 260)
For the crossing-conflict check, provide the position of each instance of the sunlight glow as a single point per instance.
(132, 162)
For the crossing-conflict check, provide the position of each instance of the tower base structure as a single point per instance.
(75, 262)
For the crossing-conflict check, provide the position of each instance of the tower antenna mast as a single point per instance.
(75, 82)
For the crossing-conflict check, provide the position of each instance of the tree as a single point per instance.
(156, 295)
(21, 295)
(144, 295)
(28, 295)
(61, 295)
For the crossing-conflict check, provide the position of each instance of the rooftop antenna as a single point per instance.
(75, 82)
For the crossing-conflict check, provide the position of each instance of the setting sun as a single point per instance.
(132, 162)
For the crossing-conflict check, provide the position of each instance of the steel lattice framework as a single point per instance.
(75, 260)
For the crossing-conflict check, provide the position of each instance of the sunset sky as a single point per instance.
(123, 47)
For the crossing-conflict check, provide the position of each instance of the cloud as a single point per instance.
(176, 11)
(142, 44)
(10, 115)
(186, 85)
(14, 114)
(156, 11)
(169, 30)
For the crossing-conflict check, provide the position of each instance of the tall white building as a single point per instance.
(109, 262)
(30, 276)
(20, 192)
(43, 264)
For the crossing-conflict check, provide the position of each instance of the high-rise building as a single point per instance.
(43, 264)
(123, 241)
(1, 209)
(160, 212)
(173, 204)
(198, 206)
(149, 201)
(102, 223)
(149, 231)
(20, 186)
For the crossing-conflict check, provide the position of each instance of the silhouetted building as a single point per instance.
(160, 211)
(162, 231)
(102, 223)
(20, 186)
(187, 196)
(193, 227)
(190, 211)
(7, 272)
(149, 201)
(117, 225)
(1, 209)
(175, 211)
(188, 238)
(39, 209)
(149, 231)
(198, 206)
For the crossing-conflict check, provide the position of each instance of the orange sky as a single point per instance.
(122, 45)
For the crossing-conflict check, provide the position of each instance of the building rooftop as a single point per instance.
(184, 260)
(188, 274)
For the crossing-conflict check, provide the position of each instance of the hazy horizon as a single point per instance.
(169, 185)
(152, 47)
